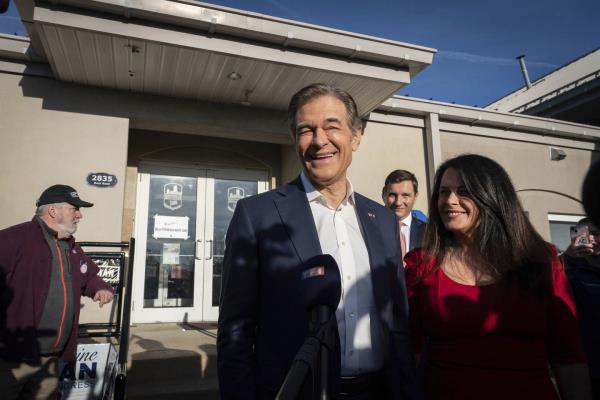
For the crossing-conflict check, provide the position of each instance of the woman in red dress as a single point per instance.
(491, 310)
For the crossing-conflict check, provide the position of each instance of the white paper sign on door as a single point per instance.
(167, 227)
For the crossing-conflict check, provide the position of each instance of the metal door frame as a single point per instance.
(202, 300)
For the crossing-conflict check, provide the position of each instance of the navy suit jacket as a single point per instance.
(417, 231)
(262, 322)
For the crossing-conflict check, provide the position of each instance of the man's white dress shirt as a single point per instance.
(340, 235)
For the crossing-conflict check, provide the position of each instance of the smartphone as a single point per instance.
(580, 235)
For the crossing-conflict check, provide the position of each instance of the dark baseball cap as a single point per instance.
(61, 194)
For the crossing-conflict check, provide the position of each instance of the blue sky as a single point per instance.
(477, 40)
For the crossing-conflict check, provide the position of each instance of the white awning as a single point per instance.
(191, 50)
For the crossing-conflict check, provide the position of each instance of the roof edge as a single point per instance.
(15, 47)
(308, 25)
(246, 25)
(541, 78)
(491, 118)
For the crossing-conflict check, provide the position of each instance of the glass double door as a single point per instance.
(182, 217)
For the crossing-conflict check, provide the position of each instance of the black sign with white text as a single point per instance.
(101, 179)
(110, 265)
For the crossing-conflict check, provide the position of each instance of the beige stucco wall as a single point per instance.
(384, 148)
(41, 146)
(544, 186)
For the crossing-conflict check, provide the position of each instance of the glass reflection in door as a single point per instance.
(227, 192)
(171, 238)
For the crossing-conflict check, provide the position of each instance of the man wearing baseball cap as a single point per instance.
(43, 275)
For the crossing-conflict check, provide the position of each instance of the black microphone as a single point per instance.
(590, 194)
(321, 288)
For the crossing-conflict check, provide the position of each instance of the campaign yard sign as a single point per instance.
(92, 376)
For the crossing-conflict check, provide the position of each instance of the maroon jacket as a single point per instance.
(25, 267)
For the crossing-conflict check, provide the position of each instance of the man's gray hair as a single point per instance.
(41, 210)
(311, 92)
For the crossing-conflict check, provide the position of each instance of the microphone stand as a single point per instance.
(313, 356)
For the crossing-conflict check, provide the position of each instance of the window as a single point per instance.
(560, 224)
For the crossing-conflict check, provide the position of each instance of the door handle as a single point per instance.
(197, 250)
(210, 248)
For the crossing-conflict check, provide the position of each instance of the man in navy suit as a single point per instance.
(400, 193)
(262, 321)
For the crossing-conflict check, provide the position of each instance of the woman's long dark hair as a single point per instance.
(505, 238)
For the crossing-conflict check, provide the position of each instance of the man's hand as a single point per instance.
(103, 296)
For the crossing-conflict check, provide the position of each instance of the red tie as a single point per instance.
(402, 241)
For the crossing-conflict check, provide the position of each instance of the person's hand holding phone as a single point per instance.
(580, 242)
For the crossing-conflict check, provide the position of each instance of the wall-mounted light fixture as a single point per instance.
(557, 154)
(234, 76)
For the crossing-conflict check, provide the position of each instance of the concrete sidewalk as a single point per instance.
(172, 361)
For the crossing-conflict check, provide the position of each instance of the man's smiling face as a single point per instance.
(400, 197)
(325, 141)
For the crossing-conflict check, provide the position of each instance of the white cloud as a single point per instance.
(291, 14)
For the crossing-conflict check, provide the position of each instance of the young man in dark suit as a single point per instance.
(399, 194)
(262, 321)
